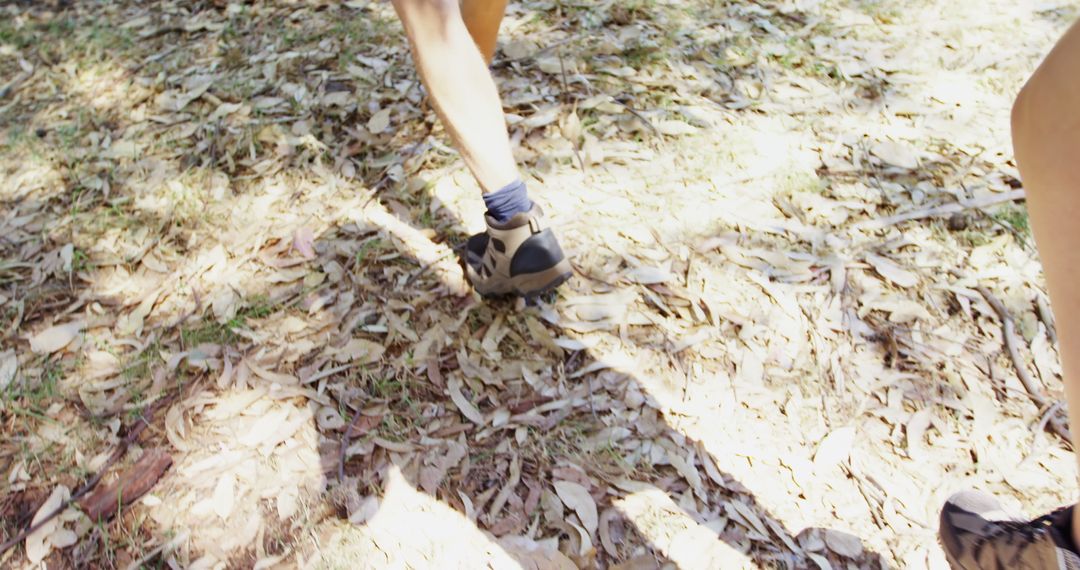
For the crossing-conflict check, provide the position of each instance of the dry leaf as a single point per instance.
(543, 117)
(675, 128)
(9, 366)
(431, 476)
(916, 431)
(896, 154)
(571, 127)
(304, 242)
(38, 545)
(269, 376)
(467, 409)
(606, 540)
(892, 272)
(577, 497)
(224, 495)
(379, 122)
(359, 349)
(63, 538)
(56, 337)
(844, 544)
(834, 449)
(648, 275)
(689, 472)
(642, 562)
(329, 419)
(533, 555)
(752, 519)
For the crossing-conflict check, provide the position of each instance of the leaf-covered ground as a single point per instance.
(232, 226)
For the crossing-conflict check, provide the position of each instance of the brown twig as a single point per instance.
(1057, 424)
(12, 86)
(640, 117)
(501, 63)
(427, 267)
(1047, 317)
(566, 101)
(133, 435)
(109, 500)
(345, 444)
(948, 209)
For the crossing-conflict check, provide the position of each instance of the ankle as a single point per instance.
(508, 201)
(1074, 527)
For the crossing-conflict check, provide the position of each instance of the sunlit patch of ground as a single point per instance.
(408, 528)
(246, 474)
(249, 209)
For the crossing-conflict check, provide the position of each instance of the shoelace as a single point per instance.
(1026, 533)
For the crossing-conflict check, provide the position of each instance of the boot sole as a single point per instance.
(532, 285)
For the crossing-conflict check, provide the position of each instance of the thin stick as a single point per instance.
(136, 431)
(1034, 391)
(345, 445)
(11, 86)
(945, 210)
(640, 117)
(508, 62)
(424, 269)
(1047, 317)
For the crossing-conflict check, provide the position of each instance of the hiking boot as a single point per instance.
(518, 257)
(977, 535)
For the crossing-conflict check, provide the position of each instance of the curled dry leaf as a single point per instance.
(463, 403)
(577, 497)
(648, 275)
(896, 154)
(571, 127)
(606, 538)
(359, 349)
(535, 555)
(844, 544)
(9, 366)
(63, 538)
(432, 475)
(270, 376)
(821, 561)
(891, 271)
(586, 552)
(224, 493)
(689, 472)
(304, 242)
(834, 449)
(916, 431)
(38, 544)
(329, 419)
(675, 128)
(55, 337)
(379, 122)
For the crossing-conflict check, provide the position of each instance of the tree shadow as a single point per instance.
(626, 441)
(629, 447)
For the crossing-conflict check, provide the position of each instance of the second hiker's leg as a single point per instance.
(461, 88)
(482, 18)
(1046, 134)
(1046, 137)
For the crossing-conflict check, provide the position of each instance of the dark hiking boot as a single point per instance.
(518, 257)
(977, 535)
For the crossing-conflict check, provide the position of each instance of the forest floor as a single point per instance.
(227, 275)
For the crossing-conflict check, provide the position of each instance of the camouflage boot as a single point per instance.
(977, 535)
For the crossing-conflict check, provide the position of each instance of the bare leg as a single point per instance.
(461, 87)
(482, 18)
(1046, 134)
